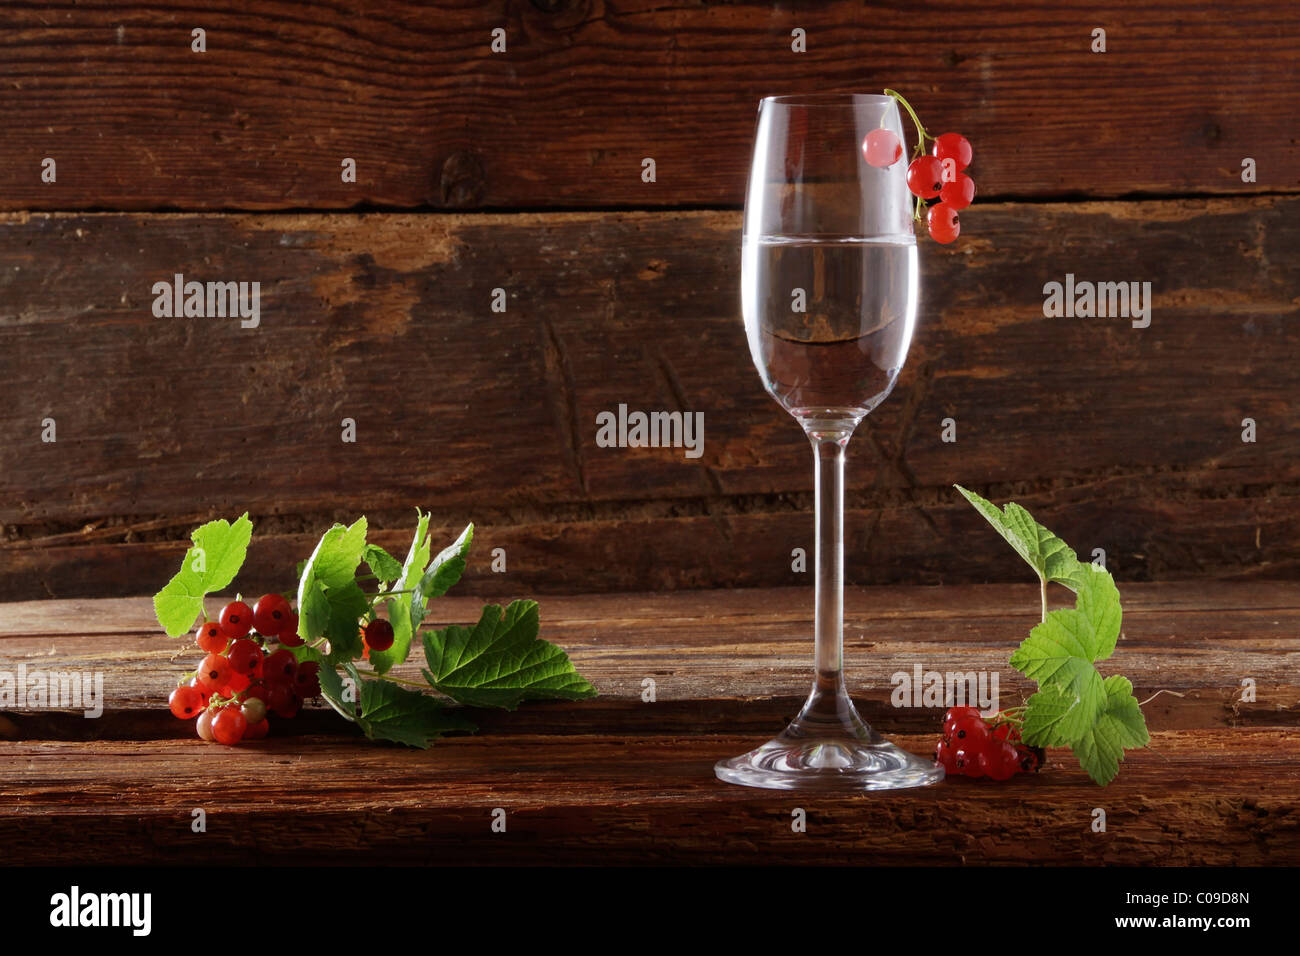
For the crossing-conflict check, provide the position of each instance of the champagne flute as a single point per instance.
(829, 281)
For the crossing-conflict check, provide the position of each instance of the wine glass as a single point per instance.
(829, 293)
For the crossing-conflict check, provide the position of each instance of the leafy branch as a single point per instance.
(500, 662)
(1098, 719)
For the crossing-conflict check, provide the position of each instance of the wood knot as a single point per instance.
(462, 182)
(1211, 132)
(558, 16)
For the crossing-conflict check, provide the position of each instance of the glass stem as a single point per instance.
(829, 455)
(829, 708)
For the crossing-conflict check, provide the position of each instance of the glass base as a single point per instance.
(833, 750)
(828, 765)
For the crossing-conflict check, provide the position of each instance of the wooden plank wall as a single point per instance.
(521, 171)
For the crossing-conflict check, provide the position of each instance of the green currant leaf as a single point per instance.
(389, 712)
(1043, 714)
(1117, 726)
(1055, 717)
(218, 552)
(1064, 646)
(444, 571)
(313, 610)
(333, 565)
(1120, 727)
(1050, 557)
(1097, 601)
(348, 697)
(334, 562)
(501, 661)
(399, 605)
(385, 567)
(1060, 653)
(346, 605)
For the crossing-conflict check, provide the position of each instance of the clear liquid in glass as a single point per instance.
(840, 355)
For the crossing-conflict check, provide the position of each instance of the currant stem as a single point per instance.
(392, 679)
(921, 137)
(1042, 588)
(1157, 694)
(921, 134)
(1012, 715)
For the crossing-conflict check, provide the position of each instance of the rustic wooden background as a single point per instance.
(522, 171)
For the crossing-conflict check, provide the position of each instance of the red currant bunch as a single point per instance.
(242, 681)
(974, 747)
(936, 174)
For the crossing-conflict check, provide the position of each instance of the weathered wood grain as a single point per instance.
(1152, 528)
(628, 799)
(588, 88)
(737, 659)
(1129, 439)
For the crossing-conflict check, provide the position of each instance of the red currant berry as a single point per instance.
(278, 697)
(969, 733)
(925, 177)
(959, 193)
(1000, 761)
(379, 635)
(270, 614)
(945, 756)
(307, 680)
(236, 619)
(214, 673)
(258, 730)
(280, 667)
(289, 636)
(284, 701)
(211, 637)
(254, 709)
(186, 702)
(202, 691)
(237, 684)
(954, 714)
(1007, 732)
(246, 657)
(881, 148)
(967, 762)
(1029, 760)
(955, 147)
(204, 725)
(945, 227)
(229, 725)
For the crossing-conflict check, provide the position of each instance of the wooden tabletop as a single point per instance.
(624, 780)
